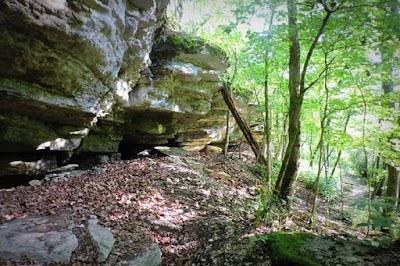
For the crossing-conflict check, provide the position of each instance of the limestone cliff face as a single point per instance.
(95, 77)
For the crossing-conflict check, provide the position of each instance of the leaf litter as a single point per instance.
(195, 207)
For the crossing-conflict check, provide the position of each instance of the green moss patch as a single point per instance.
(177, 42)
(286, 248)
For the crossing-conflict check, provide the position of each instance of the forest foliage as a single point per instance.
(349, 111)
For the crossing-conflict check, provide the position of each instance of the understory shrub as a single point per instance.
(329, 188)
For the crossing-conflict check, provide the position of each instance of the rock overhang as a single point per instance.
(102, 68)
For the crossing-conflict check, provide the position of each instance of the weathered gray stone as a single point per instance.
(65, 168)
(151, 257)
(183, 71)
(102, 238)
(45, 239)
(84, 77)
(38, 167)
(35, 182)
(66, 64)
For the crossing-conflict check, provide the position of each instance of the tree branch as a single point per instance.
(329, 12)
(320, 75)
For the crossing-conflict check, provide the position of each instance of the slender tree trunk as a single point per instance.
(340, 151)
(366, 162)
(267, 124)
(282, 139)
(376, 183)
(393, 185)
(314, 153)
(324, 122)
(327, 160)
(378, 188)
(316, 191)
(267, 128)
(317, 148)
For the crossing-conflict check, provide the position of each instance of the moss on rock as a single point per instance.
(184, 46)
(286, 249)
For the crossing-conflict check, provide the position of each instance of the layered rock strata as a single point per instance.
(100, 78)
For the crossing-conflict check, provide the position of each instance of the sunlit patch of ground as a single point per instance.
(190, 209)
(195, 207)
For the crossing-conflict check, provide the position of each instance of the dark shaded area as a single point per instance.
(17, 180)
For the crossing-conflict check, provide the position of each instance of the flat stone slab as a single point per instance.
(45, 239)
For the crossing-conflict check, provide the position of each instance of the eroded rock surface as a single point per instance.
(51, 239)
(83, 79)
(45, 239)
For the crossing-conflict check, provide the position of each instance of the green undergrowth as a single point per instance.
(329, 188)
(286, 248)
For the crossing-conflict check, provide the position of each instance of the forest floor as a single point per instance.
(196, 207)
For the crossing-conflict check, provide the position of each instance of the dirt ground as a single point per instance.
(196, 207)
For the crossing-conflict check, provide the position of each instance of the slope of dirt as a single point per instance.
(195, 207)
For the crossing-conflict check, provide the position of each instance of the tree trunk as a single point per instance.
(267, 130)
(389, 66)
(314, 153)
(267, 124)
(376, 180)
(315, 198)
(340, 151)
(285, 185)
(325, 121)
(282, 138)
(243, 126)
(393, 185)
(287, 177)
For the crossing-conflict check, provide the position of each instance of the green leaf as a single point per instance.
(382, 221)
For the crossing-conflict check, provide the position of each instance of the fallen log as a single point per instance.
(243, 126)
